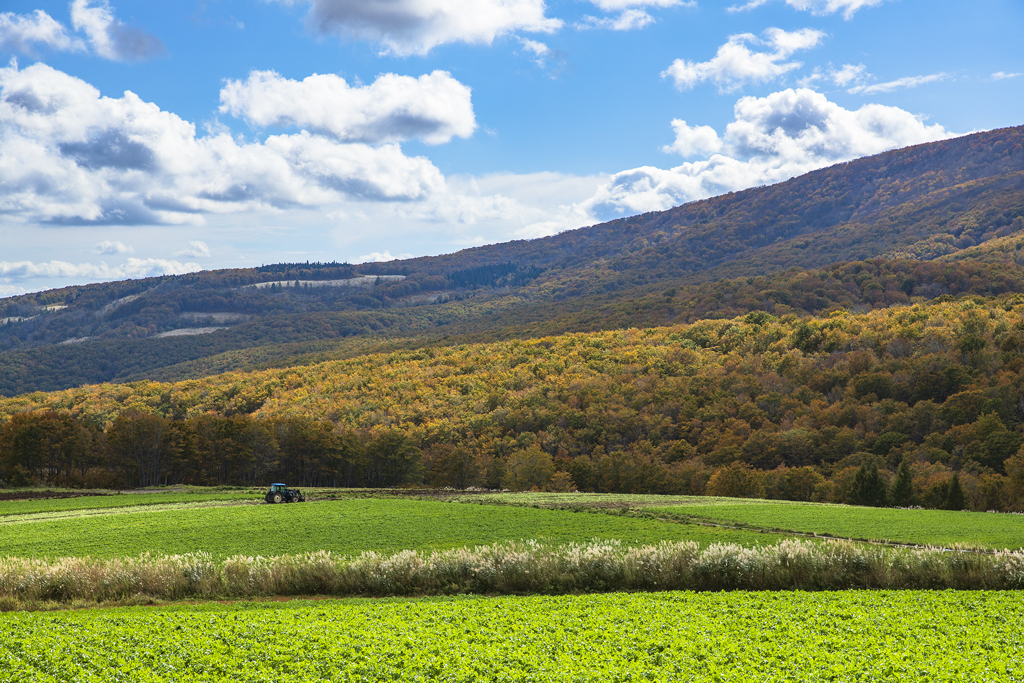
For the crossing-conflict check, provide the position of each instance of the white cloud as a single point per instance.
(816, 7)
(380, 257)
(736, 64)
(19, 32)
(855, 78)
(195, 249)
(848, 74)
(630, 17)
(908, 82)
(627, 21)
(112, 247)
(537, 48)
(12, 290)
(551, 60)
(541, 51)
(109, 37)
(434, 107)
(70, 156)
(616, 5)
(408, 27)
(1002, 75)
(771, 139)
(693, 140)
(133, 268)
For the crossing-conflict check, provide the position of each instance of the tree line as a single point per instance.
(140, 449)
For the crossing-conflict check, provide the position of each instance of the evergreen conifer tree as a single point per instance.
(902, 493)
(868, 486)
(955, 497)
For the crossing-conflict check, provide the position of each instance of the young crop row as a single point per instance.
(504, 568)
(791, 636)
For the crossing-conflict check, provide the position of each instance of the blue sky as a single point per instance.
(139, 138)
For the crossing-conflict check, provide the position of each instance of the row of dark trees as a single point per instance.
(141, 449)
(869, 488)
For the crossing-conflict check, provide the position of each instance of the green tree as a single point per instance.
(902, 492)
(955, 498)
(527, 468)
(140, 443)
(392, 459)
(453, 466)
(737, 480)
(868, 486)
(48, 446)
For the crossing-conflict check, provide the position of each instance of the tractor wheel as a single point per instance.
(277, 498)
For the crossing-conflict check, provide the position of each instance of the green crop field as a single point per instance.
(117, 500)
(922, 527)
(344, 526)
(790, 636)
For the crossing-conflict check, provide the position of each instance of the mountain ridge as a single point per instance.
(920, 203)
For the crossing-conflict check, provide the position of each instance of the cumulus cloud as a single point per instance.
(899, 83)
(408, 27)
(735, 64)
(693, 140)
(104, 34)
(20, 32)
(70, 156)
(109, 37)
(133, 268)
(112, 247)
(816, 7)
(195, 249)
(434, 107)
(771, 139)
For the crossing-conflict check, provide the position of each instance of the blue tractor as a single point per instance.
(279, 493)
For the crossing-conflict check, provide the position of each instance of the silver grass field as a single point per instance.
(505, 568)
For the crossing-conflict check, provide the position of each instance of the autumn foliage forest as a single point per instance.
(854, 335)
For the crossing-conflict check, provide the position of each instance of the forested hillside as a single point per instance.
(960, 201)
(911, 404)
